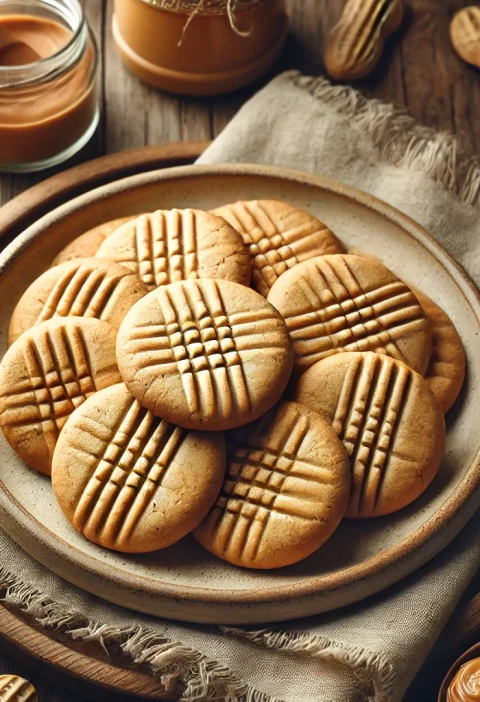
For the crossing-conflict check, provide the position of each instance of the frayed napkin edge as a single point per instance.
(371, 669)
(177, 666)
(397, 136)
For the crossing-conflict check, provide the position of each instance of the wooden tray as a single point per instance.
(91, 674)
(185, 582)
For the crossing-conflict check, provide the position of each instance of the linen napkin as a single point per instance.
(372, 650)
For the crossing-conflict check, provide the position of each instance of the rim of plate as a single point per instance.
(313, 586)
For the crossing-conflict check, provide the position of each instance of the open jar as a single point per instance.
(199, 47)
(49, 107)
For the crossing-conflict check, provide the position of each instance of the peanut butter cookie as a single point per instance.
(446, 370)
(285, 492)
(130, 481)
(390, 422)
(172, 245)
(48, 372)
(16, 689)
(350, 303)
(87, 244)
(205, 354)
(278, 237)
(84, 287)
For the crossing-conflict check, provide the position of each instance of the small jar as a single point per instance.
(49, 108)
(201, 48)
(462, 682)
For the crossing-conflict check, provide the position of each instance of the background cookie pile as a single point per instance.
(164, 395)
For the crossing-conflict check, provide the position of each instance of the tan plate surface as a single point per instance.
(184, 582)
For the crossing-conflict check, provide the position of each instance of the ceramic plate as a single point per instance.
(184, 581)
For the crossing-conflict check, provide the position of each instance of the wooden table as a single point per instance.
(419, 70)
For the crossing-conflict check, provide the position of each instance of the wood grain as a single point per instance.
(21, 211)
(419, 71)
(98, 678)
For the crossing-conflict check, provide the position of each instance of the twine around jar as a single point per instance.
(211, 7)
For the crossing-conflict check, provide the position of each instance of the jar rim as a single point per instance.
(48, 63)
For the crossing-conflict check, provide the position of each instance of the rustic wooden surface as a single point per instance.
(419, 70)
(85, 667)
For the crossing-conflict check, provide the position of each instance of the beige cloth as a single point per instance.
(372, 650)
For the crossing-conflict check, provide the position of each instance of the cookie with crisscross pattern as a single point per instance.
(139, 483)
(390, 422)
(350, 303)
(205, 354)
(84, 287)
(285, 491)
(48, 372)
(13, 688)
(278, 237)
(171, 245)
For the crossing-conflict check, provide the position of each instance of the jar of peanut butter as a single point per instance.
(199, 47)
(49, 98)
(465, 685)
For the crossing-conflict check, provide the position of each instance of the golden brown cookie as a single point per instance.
(389, 421)
(48, 372)
(171, 245)
(16, 689)
(278, 236)
(285, 492)
(205, 354)
(130, 481)
(350, 303)
(85, 287)
(446, 370)
(87, 244)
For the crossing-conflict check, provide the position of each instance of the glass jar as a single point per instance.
(49, 108)
(204, 53)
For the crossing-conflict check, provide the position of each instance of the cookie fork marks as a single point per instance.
(61, 378)
(166, 246)
(16, 689)
(83, 292)
(285, 491)
(198, 341)
(205, 354)
(350, 303)
(46, 375)
(128, 472)
(278, 237)
(373, 397)
(257, 476)
(352, 318)
(268, 245)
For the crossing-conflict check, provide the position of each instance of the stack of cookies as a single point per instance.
(235, 374)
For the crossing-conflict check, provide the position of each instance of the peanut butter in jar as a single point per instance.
(465, 686)
(199, 48)
(49, 107)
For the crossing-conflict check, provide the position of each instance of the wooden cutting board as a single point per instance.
(92, 674)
